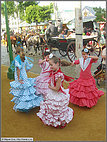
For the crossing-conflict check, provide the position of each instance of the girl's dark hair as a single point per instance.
(19, 49)
(22, 56)
(55, 60)
(103, 47)
(46, 54)
(85, 50)
(61, 62)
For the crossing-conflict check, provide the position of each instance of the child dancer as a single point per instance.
(41, 83)
(83, 91)
(22, 88)
(54, 110)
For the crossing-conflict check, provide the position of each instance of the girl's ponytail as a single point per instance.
(65, 63)
(22, 56)
(61, 62)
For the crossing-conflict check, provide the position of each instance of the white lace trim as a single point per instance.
(85, 65)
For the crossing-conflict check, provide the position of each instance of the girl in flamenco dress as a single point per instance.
(83, 91)
(54, 111)
(23, 87)
(41, 83)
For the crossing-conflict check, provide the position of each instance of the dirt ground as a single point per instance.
(87, 124)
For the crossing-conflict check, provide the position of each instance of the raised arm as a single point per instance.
(41, 61)
(75, 62)
(95, 58)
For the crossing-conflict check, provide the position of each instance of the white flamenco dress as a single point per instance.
(25, 97)
(41, 83)
(54, 110)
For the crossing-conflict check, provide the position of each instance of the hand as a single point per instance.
(72, 64)
(27, 70)
(21, 81)
(50, 86)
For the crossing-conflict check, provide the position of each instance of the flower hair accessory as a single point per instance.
(86, 50)
(47, 50)
(51, 55)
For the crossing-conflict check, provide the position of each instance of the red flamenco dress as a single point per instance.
(83, 91)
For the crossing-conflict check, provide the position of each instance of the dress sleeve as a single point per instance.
(42, 65)
(92, 61)
(17, 64)
(76, 62)
(27, 64)
(59, 75)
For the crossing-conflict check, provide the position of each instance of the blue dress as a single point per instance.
(25, 97)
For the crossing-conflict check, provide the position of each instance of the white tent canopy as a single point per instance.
(24, 24)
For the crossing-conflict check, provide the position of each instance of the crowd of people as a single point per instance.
(60, 31)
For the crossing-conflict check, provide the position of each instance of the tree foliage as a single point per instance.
(35, 13)
(19, 8)
(10, 8)
(22, 7)
(99, 14)
(28, 10)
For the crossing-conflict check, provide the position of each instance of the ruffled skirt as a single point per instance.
(54, 110)
(25, 97)
(84, 92)
(41, 85)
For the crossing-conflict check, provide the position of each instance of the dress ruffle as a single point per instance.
(54, 110)
(25, 97)
(41, 85)
(84, 92)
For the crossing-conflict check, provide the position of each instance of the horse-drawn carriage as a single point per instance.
(67, 46)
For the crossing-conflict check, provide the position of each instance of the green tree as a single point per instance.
(18, 9)
(99, 14)
(10, 8)
(22, 7)
(35, 13)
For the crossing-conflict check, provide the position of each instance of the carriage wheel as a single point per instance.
(94, 47)
(71, 51)
(63, 52)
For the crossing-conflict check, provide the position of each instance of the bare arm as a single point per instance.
(72, 64)
(18, 74)
(57, 87)
(94, 57)
(41, 61)
(76, 62)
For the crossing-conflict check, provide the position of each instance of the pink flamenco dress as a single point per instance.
(54, 111)
(41, 83)
(83, 91)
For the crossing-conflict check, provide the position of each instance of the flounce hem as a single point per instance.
(27, 83)
(26, 105)
(52, 120)
(84, 90)
(82, 102)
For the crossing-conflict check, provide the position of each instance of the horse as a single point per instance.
(33, 41)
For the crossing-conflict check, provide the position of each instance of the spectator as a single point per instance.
(66, 31)
(70, 33)
(62, 34)
(59, 26)
(50, 31)
(85, 30)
